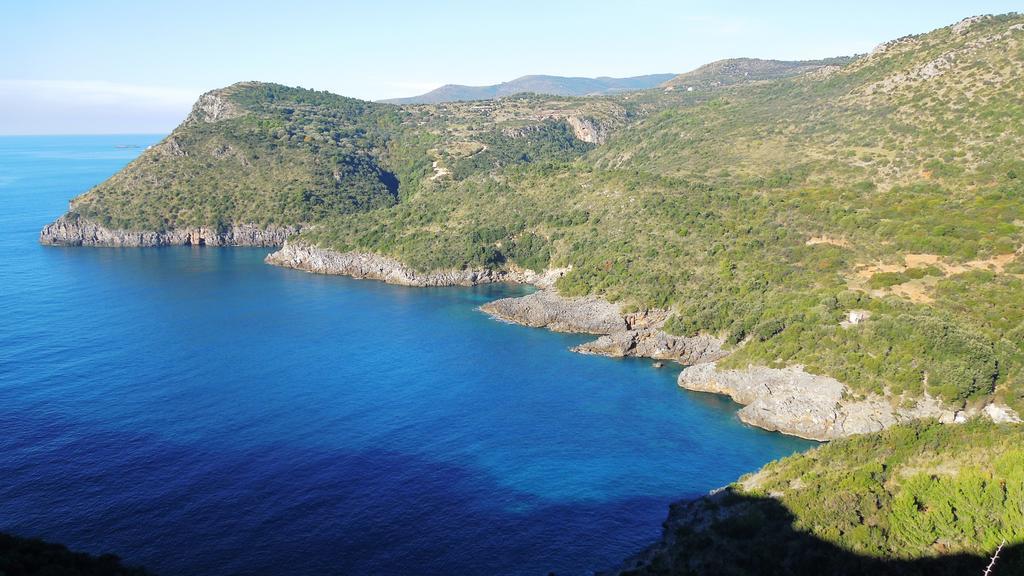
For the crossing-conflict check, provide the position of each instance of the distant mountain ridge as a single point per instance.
(741, 70)
(538, 84)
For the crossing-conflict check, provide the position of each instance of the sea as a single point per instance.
(198, 412)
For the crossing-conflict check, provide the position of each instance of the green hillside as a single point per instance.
(765, 212)
(745, 70)
(926, 499)
(256, 153)
(269, 154)
(762, 211)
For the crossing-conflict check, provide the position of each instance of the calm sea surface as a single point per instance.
(200, 413)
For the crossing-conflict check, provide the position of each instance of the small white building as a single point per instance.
(858, 316)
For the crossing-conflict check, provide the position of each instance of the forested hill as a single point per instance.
(268, 154)
(766, 212)
(537, 84)
(762, 212)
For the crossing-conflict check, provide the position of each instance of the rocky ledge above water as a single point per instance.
(792, 401)
(74, 230)
(548, 309)
(623, 335)
(309, 258)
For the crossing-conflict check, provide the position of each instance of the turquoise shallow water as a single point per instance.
(199, 412)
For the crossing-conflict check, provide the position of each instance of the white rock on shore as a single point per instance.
(792, 401)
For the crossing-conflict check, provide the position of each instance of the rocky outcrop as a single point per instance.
(792, 401)
(309, 258)
(215, 106)
(73, 230)
(587, 129)
(631, 335)
(548, 309)
(654, 343)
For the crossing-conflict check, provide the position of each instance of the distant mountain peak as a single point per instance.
(539, 84)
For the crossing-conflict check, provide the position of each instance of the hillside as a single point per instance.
(265, 159)
(765, 213)
(762, 213)
(744, 70)
(860, 223)
(923, 499)
(536, 84)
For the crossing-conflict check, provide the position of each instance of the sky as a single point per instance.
(111, 66)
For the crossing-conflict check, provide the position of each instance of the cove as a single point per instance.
(199, 412)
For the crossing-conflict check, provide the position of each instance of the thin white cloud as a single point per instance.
(99, 92)
(90, 107)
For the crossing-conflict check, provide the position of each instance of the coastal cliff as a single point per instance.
(309, 258)
(73, 230)
(792, 401)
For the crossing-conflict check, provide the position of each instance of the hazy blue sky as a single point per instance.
(136, 66)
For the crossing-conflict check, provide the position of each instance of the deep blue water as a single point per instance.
(199, 412)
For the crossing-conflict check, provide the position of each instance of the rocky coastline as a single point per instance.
(74, 230)
(309, 258)
(788, 400)
(792, 401)
(638, 335)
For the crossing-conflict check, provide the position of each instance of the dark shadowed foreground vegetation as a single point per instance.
(925, 499)
(30, 557)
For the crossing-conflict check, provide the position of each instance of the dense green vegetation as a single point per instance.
(762, 212)
(926, 499)
(278, 155)
(910, 491)
(756, 213)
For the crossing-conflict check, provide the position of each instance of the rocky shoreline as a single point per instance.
(792, 401)
(309, 258)
(74, 230)
(636, 335)
(788, 400)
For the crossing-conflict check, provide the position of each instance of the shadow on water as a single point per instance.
(363, 512)
(726, 534)
(732, 534)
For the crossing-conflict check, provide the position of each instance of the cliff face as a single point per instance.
(791, 401)
(72, 230)
(306, 257)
